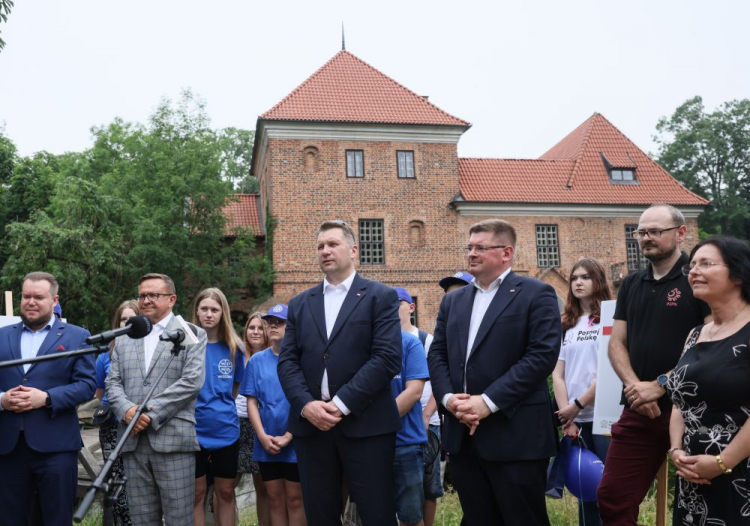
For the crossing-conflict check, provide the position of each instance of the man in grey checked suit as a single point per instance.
(159, 457)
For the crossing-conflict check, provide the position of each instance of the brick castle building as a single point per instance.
(351, 143)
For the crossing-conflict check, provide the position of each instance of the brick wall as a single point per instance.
(306, 184)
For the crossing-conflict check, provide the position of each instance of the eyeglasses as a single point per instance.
(652, 233)
(275, 322)
(481, 249)
(701, 265)
(152, 296)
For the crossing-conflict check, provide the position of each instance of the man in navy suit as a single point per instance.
(39, 432)
(341, 349)
(496, 341)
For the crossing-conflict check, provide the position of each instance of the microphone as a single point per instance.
(176, 336)
(136, 327)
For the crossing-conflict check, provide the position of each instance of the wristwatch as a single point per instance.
(48, 401)
(662, 380)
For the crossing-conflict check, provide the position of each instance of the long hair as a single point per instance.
(573, 309)
(259, 315)
(127, 304)
(227, 335)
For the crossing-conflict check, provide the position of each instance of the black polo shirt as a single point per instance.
(660, 314)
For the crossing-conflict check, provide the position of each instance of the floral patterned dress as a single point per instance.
(711, 387)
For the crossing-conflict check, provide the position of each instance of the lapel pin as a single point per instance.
(358, 294)
(512, 291)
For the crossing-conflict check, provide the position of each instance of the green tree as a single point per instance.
(710, 154)
(145, 198)
(5, 7)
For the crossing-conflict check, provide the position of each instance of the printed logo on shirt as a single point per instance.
(673, 296)
(585, 336)
(225, 368)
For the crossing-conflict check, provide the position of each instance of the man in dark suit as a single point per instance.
(341, 349)
(39, 432)
(496, 342)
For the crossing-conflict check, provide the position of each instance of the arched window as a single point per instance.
(310, 154)
(416, 233)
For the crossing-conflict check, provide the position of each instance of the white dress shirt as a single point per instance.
(333, 299)
(482, 300)
(151, 340)
(32, 340)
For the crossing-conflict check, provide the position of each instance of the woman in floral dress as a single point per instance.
(710, 390)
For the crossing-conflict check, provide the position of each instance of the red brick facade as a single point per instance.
(303, 179)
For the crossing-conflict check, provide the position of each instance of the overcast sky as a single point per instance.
(524, 73)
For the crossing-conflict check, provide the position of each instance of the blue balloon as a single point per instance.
(584, 473)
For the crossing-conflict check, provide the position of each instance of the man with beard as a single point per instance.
(655, 312)
(39, 432)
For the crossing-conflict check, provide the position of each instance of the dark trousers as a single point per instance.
(368, 465)
(54, 475)
(636, 453)
(499, 493)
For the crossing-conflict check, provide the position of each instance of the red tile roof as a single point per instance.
(347, 89)
(241, 213)
(573, 172)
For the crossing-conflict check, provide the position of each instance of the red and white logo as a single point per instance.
(673, 296)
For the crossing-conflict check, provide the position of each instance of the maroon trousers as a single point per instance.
(637, 451)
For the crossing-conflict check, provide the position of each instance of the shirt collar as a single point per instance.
(345, 285)
(49, 325)
(163, 324)
(674, 272)
(495, 284)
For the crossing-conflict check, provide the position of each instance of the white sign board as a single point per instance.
(9, 320)
(607, 409)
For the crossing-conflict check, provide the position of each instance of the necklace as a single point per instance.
(711, 336)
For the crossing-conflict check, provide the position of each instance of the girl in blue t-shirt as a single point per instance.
(216, 421)
(108, 429)
(268, 410)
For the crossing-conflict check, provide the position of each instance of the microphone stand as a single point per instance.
(98, 349)
(104, 482)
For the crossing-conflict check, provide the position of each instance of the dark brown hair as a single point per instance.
(573, 309)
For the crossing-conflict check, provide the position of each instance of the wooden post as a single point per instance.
(8, 303)
(661, 494)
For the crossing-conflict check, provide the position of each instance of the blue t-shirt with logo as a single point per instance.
(216, 420)
(102, 370)
(413, 367)
(262, 382)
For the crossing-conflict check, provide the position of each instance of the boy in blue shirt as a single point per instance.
(408, 465)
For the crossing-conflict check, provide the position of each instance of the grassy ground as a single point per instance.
(562, 512)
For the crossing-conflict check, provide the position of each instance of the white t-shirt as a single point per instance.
(427, 392)
(579, 352)
(241, 400)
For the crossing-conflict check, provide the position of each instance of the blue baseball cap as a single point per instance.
(277, 311)
(459, 278)
(403, 295)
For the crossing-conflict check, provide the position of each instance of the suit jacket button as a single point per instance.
(146, 383)
(326, 356)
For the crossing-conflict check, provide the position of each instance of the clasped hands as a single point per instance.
(699, 469)
(274, 444)
(469, 409)
(642, 397)
(323, 415)
(22, 398)
(142, 423)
